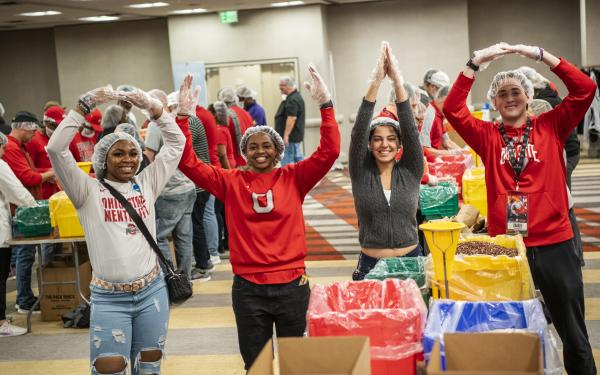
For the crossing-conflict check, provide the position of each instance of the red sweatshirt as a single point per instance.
(36, 148)
(20, 162)
(264, 210)
(82, 147)
(210, 128)
(224, 138)
(245, 123)
(543, 178)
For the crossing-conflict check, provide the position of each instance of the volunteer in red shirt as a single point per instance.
(239, 121)
(523, 159)
(36, 148)
(264, 215)
(82, 145)
(212, 136)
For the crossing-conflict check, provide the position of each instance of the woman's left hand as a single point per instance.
(188, 98)
(143, 100)
(392, 69)
(317, 88)
(531, 52)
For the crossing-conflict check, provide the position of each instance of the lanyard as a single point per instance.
(517, 165)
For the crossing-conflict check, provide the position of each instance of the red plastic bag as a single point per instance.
(391, 312)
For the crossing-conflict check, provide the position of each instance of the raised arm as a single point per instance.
(311, 170)
(72, 179)
(359, 139)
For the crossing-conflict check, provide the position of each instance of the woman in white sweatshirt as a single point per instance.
(129, 301)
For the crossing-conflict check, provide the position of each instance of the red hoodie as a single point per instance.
(210, 128)
(245, 123)
(543, 178)
(36, 148)
(19, 161)
(267, 247)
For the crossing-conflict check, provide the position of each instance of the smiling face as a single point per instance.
(122, 161)
(511, 102)
(261, 153)
(384, 144)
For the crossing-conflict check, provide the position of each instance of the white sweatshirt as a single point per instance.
(11, 191)
(118, 251)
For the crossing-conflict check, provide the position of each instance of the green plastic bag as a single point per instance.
(403, 268)
(438, 201)
(33, 221)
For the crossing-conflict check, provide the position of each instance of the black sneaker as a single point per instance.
(25, 309)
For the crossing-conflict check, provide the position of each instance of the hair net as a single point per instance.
(25, 120)
(221, 113)
(384, 121)
(2, 112)
(539, 106)
(3, 139)
(428, 75)
(244, 92)
(538, 80)
(112, 116)
(288, 81)
(502, 78)
(275, 137)
(132, 131)
(173, 99)
(439, 79)
(442, 92)
(227, 95)
(104, 145)
(160, 95)
(411, 91)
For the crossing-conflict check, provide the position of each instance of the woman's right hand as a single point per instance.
(188, 98)
(91, 99)
(483, 57)
(379, 72)
(317, 88)
(391, 67)
(143, 100)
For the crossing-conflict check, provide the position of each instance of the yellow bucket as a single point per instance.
(85, 166)
(442, 239)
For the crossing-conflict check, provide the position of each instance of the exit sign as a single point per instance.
(229, 16)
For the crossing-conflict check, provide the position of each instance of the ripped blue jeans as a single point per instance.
(124, 324)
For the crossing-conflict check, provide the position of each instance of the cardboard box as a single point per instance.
(61, 299)
(348, 355)
(517, 353)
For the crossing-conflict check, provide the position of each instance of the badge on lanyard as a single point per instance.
(517, 213)
(517, 205)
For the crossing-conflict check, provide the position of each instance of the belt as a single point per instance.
(133, 286)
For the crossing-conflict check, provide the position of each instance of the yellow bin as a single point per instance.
(64, 216)
(85, 166)
(442, 239)
(474, 191)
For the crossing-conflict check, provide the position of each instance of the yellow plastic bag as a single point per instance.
(474, 191)
(64, 216)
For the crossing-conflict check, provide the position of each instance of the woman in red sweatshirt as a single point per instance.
(264, 216)
(523, 158)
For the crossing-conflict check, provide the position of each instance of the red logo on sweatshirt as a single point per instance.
(530, 153)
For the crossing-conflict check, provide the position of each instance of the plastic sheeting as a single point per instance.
(64, 216)
(402, 268)
(438, 201)
(458, 316)
(33, 221)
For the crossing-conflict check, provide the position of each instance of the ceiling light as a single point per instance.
(99, 18)
(40, 14)
(189, 11)
(148, 5)
(287, 3)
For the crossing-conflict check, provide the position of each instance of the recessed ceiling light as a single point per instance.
(40, 14)
(148, 5)
(99, 18)
(287, 3)
(189, 11)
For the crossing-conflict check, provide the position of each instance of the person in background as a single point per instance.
(433, 136)
(24, 125)
(52, 103)
(11, 191)
(239, 121)
(126, 105)
(82, 145)
(248, 98)
(4, 127)
(113, 116)
(207, 120)
(36, 148)
(523, 158)
(423, 94)
(385, 190)
(289, 121)
(266, 222)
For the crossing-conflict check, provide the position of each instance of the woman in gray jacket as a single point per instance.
(385, 190)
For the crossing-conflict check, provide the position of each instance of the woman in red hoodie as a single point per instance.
(523, 158)
(264, 216)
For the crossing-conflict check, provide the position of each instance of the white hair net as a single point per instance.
(3, 139)
(428, 75)
(538, 80)
(112, 116)
(25, 125)
(2, 112)
(132, 131)
(275, 137)
(227, 95)
(411, 92)
(511, 76)
(539, 106)
(244, 92)
(104, 145)
(173, 99)
(384, 121)
(439, 79)
(221, 113)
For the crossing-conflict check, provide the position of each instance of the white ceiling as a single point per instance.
(73, 9)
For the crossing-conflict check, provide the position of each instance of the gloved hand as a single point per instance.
(188, 98)
(531, 52)
(317, 88)
(88, 101)
(484, 56)
(378, 73)
(143, 100)
(391, 67)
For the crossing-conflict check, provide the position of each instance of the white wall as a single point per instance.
(28, 71)
(424, 34)
(136, 53)
(592, 26)
(551, 24)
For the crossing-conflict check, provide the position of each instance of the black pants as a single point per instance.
(201, 254)
(220, 212)
(4, 271)
(257, 307)
(556, 271)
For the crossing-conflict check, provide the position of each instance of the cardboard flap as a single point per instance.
(500, 352)
(263, 365)
(324, 355)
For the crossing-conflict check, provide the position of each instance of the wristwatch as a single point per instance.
(86, 104)
(472, 65)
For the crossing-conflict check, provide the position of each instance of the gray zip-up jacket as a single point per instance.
(382, 225)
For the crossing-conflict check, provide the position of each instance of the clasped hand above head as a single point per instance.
(387, 65)
(482, 58)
